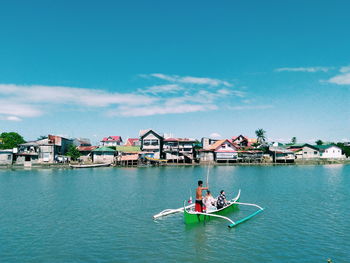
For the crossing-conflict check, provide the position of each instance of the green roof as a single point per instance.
(128, 148)
(104, 149)
(324, 146)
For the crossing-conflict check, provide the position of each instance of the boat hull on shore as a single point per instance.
(89, 165)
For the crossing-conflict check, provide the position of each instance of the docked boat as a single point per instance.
(89, 165)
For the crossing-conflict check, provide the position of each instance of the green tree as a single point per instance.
(10, 140)
(345, 149)
(293, 140)
(42, 137)
(73, 152)
(260, 134)
(319, 142)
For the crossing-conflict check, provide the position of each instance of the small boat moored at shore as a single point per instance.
(89, 165)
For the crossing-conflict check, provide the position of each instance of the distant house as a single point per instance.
(128, 155)
(103, 155)
(220, 151)
(243, 141)
(111, 141)
(133, 142)
(305, 151)
(49, 150)
(152, 144)
(330, 151)
(207, 142)
(280, 154)
(82, 142)
(6, 157)
(179, 150)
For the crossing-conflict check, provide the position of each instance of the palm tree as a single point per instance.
(260, 133)
(294, 140)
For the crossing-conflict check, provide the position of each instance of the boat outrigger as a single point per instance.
(191, 216)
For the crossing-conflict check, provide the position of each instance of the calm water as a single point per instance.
(105, 215)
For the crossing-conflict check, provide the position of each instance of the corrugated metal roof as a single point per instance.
(103, 149)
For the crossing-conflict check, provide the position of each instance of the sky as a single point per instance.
(188, 68)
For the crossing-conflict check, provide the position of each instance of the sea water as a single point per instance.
(105, 215)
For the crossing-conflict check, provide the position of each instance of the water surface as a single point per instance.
(105, 215)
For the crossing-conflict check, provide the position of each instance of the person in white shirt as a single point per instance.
(209, 202)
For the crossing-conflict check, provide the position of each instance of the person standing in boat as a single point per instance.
(199, 196)
(209, 202)
(221, 200)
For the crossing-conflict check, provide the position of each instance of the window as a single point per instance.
(223, 146)
(305, 152)
(9, 157)
(150, 142)
(315, 152)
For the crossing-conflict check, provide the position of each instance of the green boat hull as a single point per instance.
(191, 218)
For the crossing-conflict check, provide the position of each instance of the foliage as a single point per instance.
(293, 140)
(10, 140)
(345, 149)
(260, 133)
(319, 142)
(73, 152)
(42, 137)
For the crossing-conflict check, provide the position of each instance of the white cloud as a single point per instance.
(10, 118)
(215, 135)
(345, 69)
(304, 69)
(170, 88)
(191, 80)
(160, 110)
(251, 107)
(342, 79)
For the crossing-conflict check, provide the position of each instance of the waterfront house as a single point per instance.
(280, 154)
(243, 141)
(220, 151)
(6, 157)
(49, 150)
(82, 142)
(128, 155)
(330, 151)
(86, 153)
(305, 151)
(207, 142)
(152, 144)
(103, 155)
(133, 142)
(179, 150)
(111, 141)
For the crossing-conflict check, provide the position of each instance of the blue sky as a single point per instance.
(190, 68)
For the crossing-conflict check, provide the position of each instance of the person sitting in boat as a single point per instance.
(209, 202)
(199, 197)
(221, 202)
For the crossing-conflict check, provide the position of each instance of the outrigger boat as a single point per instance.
(191, 216)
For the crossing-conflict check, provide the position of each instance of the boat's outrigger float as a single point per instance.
(191, 216)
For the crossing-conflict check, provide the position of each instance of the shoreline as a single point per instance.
(297, 163)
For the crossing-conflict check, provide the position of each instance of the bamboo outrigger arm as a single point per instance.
(171, 211)
(233, 224)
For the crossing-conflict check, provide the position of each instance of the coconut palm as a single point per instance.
(260, 134)
(294, 140)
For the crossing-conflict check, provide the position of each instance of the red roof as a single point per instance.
(112, 139)
(86, 148)
(131, 141)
